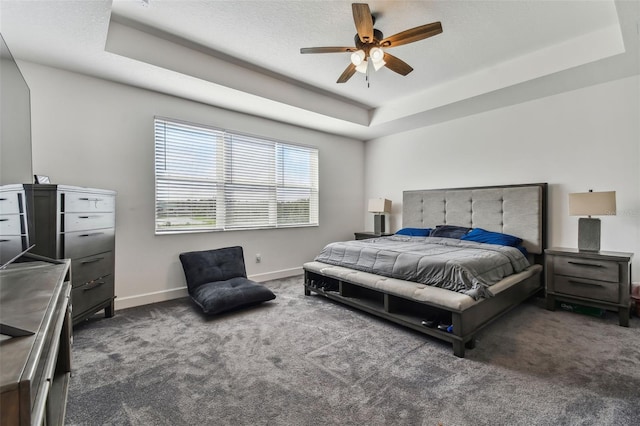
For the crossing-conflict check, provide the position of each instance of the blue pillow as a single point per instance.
(414, 232)
(449, 231)
(480, 235)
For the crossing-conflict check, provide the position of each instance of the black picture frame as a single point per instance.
(41, 179)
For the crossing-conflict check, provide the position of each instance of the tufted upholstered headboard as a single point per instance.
(518, 210)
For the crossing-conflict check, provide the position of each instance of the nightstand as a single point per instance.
(598, 279)
(367, 235)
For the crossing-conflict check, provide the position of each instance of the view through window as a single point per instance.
(213, 179)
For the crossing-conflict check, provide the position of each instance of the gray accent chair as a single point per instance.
(217, 280)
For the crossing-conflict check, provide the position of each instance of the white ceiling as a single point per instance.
(245, 55)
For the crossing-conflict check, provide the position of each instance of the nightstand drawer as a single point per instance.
(583, 287)
(586, 268)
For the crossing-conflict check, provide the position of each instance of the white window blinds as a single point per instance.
(211, 179)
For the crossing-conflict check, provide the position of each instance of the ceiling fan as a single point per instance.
(369, 44)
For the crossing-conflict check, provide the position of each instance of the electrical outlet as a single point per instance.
(258, 258)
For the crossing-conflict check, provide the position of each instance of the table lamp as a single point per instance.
(379, 206)
(591, 204)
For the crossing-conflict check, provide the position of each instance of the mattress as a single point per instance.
(466, 267)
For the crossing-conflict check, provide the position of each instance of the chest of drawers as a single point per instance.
(599, 279)
(13, 225)
(79, 224)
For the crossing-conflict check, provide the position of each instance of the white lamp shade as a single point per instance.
(376, 54)
(357, 57)
(379, 205)
(362, 67)
(378, 64)
(592, 203)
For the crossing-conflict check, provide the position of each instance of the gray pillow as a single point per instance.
(449, 231)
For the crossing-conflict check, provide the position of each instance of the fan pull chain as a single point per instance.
(366, 76)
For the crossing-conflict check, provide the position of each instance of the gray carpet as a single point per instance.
(309, 361)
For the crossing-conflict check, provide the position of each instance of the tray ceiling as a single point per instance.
(245, 55)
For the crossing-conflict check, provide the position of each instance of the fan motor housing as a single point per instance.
(377, 37)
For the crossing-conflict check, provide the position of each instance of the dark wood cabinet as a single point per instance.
(35, 367)
(78, 223)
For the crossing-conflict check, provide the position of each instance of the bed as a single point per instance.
(413, 301)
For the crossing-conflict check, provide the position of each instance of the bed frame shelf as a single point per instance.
(397, 309)
(411, 313)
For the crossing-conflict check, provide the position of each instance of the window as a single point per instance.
(211, 179)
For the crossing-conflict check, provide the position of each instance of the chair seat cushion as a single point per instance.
(221, 296)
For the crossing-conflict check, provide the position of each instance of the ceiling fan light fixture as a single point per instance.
(377, 58)
(362, 67)
(376, 54)
(378, 64)
(369, 54)
(358, 57)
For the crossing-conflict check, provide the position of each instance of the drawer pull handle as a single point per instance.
(90, 199)
(92, 234)
(97, 259)
(4, 241)
(593, 265)
(94, 284)
(585, 283)
(3, 199)
(88, 217)
(3, 220)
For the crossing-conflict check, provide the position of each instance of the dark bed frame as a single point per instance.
(473, 207)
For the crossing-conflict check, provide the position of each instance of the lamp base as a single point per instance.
(378, 224)
(588, 234)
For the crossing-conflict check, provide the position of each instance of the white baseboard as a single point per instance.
(147, 298)
(276, 275)
(175, 293)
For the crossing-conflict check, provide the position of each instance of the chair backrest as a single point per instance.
(202, 267)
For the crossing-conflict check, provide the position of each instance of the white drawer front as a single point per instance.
(87, 221)
(11, 224)
(87, 202)
(9, 202)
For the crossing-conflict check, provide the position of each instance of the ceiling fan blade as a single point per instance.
(327, 49)
(364, 21)
(346, 75)
(413, 34)
(397, 65)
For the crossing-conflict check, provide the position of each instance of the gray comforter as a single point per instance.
(463, 266)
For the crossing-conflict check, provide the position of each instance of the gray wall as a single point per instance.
(95, 133)
(575, 141)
